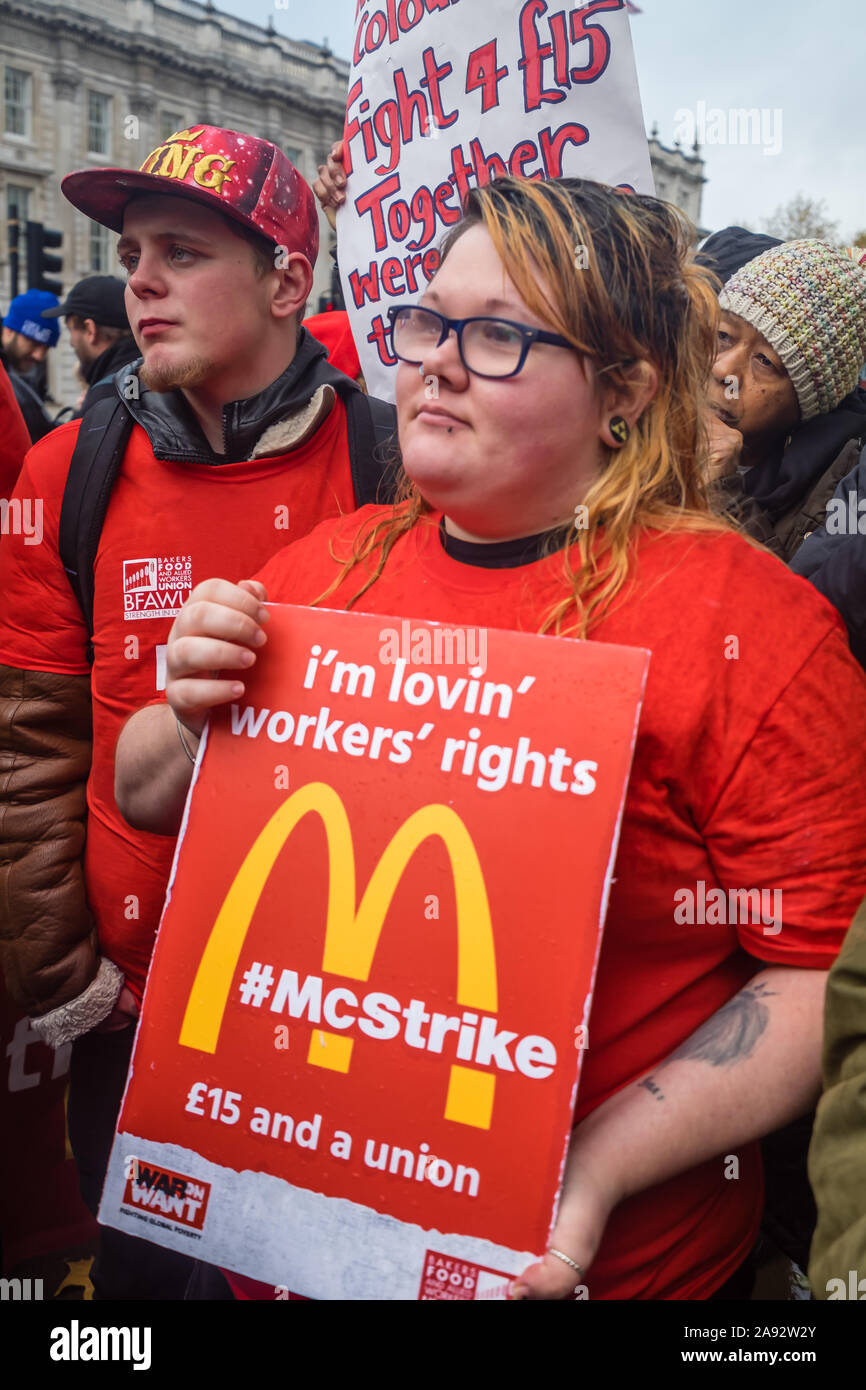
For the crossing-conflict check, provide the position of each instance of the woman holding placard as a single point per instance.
(549, 400)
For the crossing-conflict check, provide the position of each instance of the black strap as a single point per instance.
(102, 439)
(372, 431)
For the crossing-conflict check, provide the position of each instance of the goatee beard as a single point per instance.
(177, 375)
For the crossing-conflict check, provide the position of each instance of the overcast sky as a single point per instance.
(803, 59)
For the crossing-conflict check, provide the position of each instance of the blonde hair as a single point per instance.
(618, 279)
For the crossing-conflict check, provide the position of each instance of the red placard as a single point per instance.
(370, 993)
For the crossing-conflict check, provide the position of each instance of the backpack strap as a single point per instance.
(102, 439)
(101, 390)
(371, 424)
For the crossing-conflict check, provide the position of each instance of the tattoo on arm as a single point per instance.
(649, 1085)
(732, 1033)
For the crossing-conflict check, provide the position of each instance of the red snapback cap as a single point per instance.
(248, 179)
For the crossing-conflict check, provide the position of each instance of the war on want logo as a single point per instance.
(174, 1196)
(156, 586)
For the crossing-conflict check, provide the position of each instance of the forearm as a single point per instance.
(47, 936)
(751, 1068)
(152, 771)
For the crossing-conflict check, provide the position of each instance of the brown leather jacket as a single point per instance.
(47, 937)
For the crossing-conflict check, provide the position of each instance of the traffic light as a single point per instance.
(41, 264)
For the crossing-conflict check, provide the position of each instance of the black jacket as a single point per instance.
(781, 501)
(100, 373)
(833, 557)
(175, 434)
(35, 419)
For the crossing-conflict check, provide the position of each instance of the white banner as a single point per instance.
(444, 95)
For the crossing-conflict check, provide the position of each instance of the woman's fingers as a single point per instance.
(219, 628)
(254, 587)
(206, 618)
(198, 656)
(195, 696)
(551, 1278)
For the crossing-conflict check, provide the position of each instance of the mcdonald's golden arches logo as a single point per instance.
(352, 930)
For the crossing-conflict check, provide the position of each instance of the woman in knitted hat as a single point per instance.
(556, 484)
(788, 419)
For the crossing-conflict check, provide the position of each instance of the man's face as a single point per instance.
(23, 353)
(750, 388)
(81, 340)
(196, 305)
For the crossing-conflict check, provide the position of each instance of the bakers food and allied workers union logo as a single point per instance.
(182, 158)
(156, 586)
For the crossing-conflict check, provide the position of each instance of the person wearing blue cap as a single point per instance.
(27, 338)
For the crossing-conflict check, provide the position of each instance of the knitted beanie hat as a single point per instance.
(809, 301)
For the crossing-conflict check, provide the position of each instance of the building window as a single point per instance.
(101, 249)
(98, 123)
(295, 154)
(19, 102)
(17, 203)
(170, 122)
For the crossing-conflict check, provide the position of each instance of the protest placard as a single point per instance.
(356, 1064)
(445, 95)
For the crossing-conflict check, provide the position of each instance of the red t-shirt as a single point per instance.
(168, 527)
(14, 437)
(749, 772)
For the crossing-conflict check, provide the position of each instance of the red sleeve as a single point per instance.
(14, 437)
(791, 820)
(41, 624)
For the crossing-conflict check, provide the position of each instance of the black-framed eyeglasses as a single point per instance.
(488, 347)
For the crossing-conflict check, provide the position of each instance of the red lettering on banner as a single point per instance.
(599, 39)
(486, 167)
(446, 211)
(409, 104)
(394, 20)
(365, 287)
(552, 143)
(378, 336)
(482, 71)
(534, 54)
(352, 127)
(390, 271)
(461, 173)
(432, 79)
(520, 157)
(371, 202)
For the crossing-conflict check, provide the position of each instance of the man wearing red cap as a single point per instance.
(233, 437)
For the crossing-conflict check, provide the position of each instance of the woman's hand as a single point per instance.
(219, 628)
(330, 186)
(124, 1013)
(584, 1209)
(725, 446)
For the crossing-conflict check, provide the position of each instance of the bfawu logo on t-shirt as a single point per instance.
(156, 586)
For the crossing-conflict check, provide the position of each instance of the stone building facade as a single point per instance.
(679, 176)
(90, 83)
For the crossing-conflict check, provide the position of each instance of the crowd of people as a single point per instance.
(657, 448)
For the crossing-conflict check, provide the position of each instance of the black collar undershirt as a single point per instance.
(498, 555)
